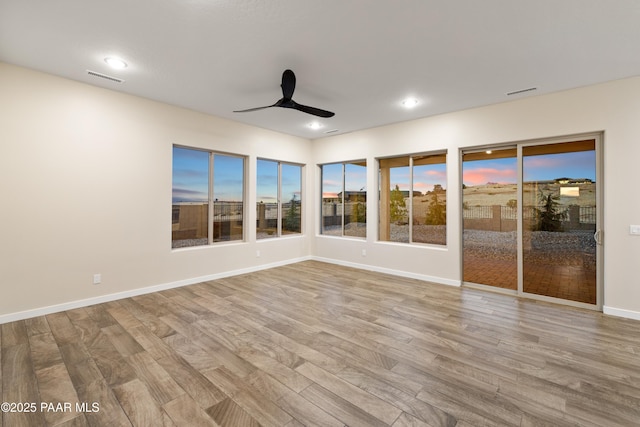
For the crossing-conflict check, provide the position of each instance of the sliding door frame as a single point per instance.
(598, 137)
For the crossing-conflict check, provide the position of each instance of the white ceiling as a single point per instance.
(358, 58)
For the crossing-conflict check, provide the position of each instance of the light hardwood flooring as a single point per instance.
(319, 344)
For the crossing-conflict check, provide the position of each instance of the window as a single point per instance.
(344, 199)
(279, 199)
(207, 197)
(413, 199)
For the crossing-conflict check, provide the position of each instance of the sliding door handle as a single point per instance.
(597, 236)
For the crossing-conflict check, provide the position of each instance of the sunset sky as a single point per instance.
(190, 175)
(536, 168)
(355, 179)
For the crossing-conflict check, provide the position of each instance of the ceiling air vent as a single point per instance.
(516, 92)
(104, 76)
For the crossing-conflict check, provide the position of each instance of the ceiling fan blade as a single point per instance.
(253, 109)
(288, 87)
(288, 84)
(311, 110)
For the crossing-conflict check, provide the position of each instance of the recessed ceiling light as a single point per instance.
(315, 125)
(409, 102)
(115, 62)
(488, 151)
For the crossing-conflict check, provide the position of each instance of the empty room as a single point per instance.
(329, 213)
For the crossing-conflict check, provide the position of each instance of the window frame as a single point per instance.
(279, 203)
(411, 191)
(211, 198)
(343, 213)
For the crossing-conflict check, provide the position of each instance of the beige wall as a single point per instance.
(85, 180)
(612, 107)
(77, 163)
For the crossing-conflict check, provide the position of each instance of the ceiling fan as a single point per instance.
(288, 86)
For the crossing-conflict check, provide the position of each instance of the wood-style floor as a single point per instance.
(319, 344)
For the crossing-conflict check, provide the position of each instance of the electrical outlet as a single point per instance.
(257, 254)
(364, 252)
(97, 279)
(634, 230)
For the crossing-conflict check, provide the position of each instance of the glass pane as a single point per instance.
(489, 209)
(190, 198)
(267, 199)
(332, 199)
(559, 220)
(394, 199)
(228, 192)
(291, 199)
(355, 199)
(429, 201)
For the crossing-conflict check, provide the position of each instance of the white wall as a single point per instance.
(612, 107)
(85, 181)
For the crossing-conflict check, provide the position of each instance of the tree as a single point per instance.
(398, 207)
(548, 217)
(292, 219)
(437, 214)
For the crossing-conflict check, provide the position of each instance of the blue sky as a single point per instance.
(191, 176)
(355, 179)
(267, 183)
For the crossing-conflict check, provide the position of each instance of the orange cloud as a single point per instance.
(481, 176)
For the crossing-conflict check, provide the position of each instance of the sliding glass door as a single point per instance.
(560, 220)
(531, 219)
(489, 211)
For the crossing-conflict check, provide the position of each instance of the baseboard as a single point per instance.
(27, 314)
(619, 312)
(400, 273)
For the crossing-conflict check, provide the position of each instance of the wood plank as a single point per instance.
(44, 351)
(19, 383)
(82, 369)
(201, 390)
(56, 388)
(160, 384)
(124, 343)
(14, 333)
(139, 405)
(258, 406)
(229, 413)
(109, 412)
(410, 405)
(319, 344)
(185, 412)
(343, 410)
(109, 360)
(62, 328)
(298, 407)
(358, 397)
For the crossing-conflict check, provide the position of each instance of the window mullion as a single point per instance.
(211, 201)
(280, 217)
(344, 183)
(410, 219)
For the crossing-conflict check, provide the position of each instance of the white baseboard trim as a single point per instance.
(27, 314)
(424, 277)
(620, 312)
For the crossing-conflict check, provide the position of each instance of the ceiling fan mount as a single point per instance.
(288, 87)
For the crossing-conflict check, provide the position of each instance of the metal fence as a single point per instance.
(586, 214)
